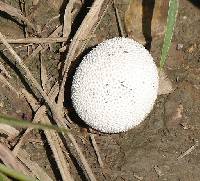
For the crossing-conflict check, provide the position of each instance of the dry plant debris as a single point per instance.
(53, 108)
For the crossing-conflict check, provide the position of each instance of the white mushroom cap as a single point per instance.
(115, 86)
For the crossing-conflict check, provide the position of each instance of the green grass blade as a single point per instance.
(27, 124)
(3, 177)
(171, 19)
(15, 174)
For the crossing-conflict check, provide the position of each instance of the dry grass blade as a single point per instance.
(81, 35)
(35, 106)
(55, 34)
(122, 31)
(27, 74)
(188, 151)
(56, 110)
(63, 166)
(36, 170)
(17, 147)
(10, 160)
(96, 150)
(44, 77)
(36, 40)
(30, 99)
(53, 140)
(8, 130)
(15, 13)
(52, 136)
(68, 18)
(84, 31)
(4, 81)
(82, 157)
(4, 72)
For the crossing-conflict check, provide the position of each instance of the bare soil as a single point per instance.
(155, 149)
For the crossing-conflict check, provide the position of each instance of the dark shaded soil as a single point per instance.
(149, 151)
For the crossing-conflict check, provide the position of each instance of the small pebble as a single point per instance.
(184, 17)
(179, 46)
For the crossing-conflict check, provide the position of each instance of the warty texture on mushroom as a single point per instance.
(115, 86)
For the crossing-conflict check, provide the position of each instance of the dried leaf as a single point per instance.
(165, 85)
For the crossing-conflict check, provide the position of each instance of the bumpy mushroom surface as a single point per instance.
(115, 86)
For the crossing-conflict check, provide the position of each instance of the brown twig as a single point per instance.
(36, 40)
(54, 140)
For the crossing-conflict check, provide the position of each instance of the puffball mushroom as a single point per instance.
(115, 86)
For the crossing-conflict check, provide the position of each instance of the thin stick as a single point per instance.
(40, 47)
(36, 40)
(82, 157)
(96, 150)
(187, 152)
(28, 75)
(119, 20)
(59, 119)
(4, 81)
(82, 33)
